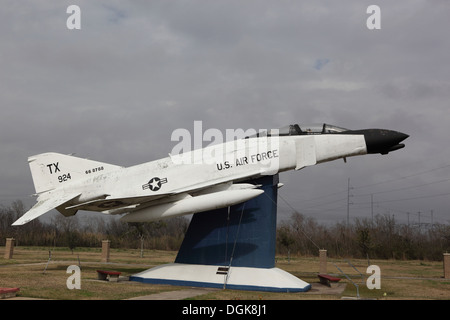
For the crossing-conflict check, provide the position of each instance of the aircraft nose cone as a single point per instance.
(383, 141)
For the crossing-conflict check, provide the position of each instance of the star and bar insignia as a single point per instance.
(154, 184)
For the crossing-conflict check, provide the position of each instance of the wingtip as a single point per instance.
(19, 223)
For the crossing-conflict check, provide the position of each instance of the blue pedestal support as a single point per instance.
(231, 248)
(243, 235)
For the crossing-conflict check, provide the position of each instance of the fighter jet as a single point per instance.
(213, 177)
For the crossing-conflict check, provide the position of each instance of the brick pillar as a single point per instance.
(105, 250)
(447, 265)
(323, 261)
(9, 248)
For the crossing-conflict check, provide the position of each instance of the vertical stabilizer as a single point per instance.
(52, 170)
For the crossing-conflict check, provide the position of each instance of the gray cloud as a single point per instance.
(116, 89)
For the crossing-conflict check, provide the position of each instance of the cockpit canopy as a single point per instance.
(296, 130)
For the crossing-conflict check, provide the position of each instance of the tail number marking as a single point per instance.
(94, 170)
(53, 167)
(64, 177)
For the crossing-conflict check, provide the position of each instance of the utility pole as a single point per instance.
(419, 221)
(348, 202)
(371, 206)
(431, 218)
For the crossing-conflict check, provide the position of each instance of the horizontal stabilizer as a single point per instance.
(43, 206)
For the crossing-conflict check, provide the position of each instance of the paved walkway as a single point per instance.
(316, 288)
(177, 294)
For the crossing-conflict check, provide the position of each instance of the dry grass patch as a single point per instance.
(400, 279)
(34, 283)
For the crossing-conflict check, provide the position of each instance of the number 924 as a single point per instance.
(64, 177)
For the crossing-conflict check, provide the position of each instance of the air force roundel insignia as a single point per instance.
(154, 184)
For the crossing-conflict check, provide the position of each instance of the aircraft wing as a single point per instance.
(115, 205)
(43, 206)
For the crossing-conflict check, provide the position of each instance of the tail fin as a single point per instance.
(51, 170)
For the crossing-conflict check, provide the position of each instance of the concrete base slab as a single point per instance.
(237, 278)
(176, 295)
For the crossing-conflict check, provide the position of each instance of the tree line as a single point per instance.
(380, 238)
(72, 232)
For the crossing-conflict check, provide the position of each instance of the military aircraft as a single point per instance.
(213, 177)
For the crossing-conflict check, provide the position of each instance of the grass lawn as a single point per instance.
(399, 279)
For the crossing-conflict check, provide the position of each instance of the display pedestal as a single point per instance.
(231, 248)
(237, 278)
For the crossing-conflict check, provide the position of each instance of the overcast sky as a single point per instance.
(115, 90)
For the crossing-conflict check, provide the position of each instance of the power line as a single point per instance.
(292, 208)
(404, 188)
(404, 177)
(322, 205)
(417, 197)
(411, 198)
(375, 184)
